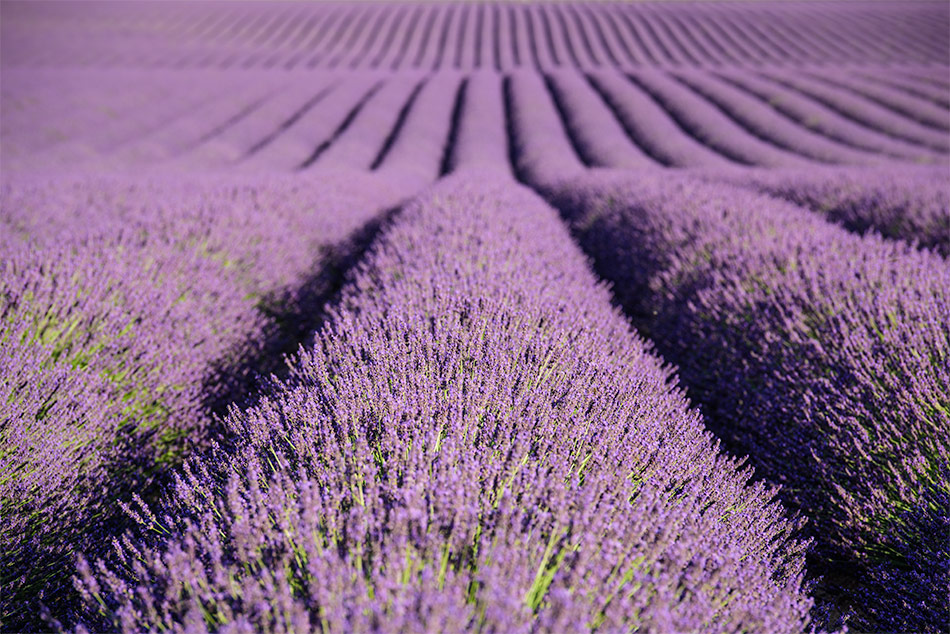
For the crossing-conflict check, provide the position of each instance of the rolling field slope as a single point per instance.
(475, 316)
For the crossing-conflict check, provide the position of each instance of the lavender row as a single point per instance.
(415, 153)
(172, 139)
(896, 99)
(766, 123)
(114, 120)
(746, 125)
(480, 140)
(360, 145)
(826, 120)
(298, 146)
(548, 145)
(278, 115)
(398, 126)
(711, 127)
(283, 123)
(56, 118)
(613, 121)
(363, 121)
(35, 116)
(918, 86)
(651, 126)
(864, 111)
(541, 149)
(475, 442)
(598, 133)
(554, 126)
(130, 311)
(910, 204)
(822, 355)
(468, 36)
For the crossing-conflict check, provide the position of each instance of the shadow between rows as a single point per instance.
(828, 581)
(237, 380)
(296, 315)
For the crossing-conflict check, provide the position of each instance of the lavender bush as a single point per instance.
(475, 442)
(822, 355)
(911, 204)
(125, 321)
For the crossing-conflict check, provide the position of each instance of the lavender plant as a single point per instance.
(821, 354)
(476, 441)
(910, 204)
(125, 323)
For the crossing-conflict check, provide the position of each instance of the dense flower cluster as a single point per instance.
(129, 313)
(475, 442)
(910, 204)
(822, 355)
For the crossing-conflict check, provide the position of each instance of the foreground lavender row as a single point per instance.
(823, 356)
(130, 311)
(476, 442)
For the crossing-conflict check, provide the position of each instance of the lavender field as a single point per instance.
(475, 317)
